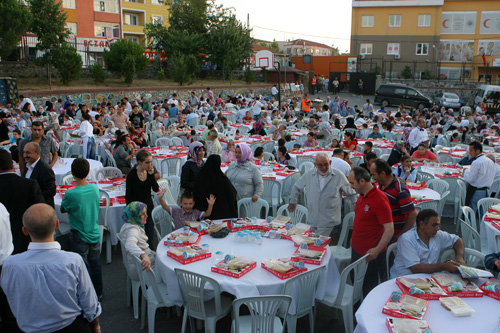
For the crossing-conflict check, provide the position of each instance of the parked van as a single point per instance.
(492, 95)
(396, 94)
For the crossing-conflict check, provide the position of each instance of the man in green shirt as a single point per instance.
(82, 205)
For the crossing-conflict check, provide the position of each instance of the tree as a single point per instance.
(230, 44)
(97, 73)
(274, 46)
(183, 68)
(49, 24)
(68, 63)
(335, 51)
(15, 21)
(125, 58)
(406, 73)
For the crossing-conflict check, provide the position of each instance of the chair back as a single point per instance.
(68, 178)
(424, 176)
(390, 255)
(111, 160)
(384, 157)
(268, 146)
(305, 287)
(472, 257)
(192, 286)
(358, 269)
(347, 224)
(469, 217)
(177, 141)
(175, 184)
(108, 172)
(105, 195)
(149, 278)
(299, 215)
(263, 311)
(287, 185)
(484, 204)
(243, 130)
(444, 158)
(356, 161)
(254, 146)
(470, 236)
(442, 201)
(193, 122)
(268, 157)
(124, 255)
(304, 158)
(455, 186)
(389, 136)
(171, 165)
(272, 189)
(438, 185)
(431, 204)
(301, 140)
(164, 219)
(138, 268)
(248, 208)
(305, 166)
(163, 142)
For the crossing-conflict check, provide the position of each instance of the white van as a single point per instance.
(488, 92)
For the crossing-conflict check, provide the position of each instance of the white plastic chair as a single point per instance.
(162, 218)
(303, 288)
(424, 176)
(377, 152)
(304, 158)
(192, 288)
(110, 158)
(243, 130)
(268, 157)
(177, 142)
(156, 295)
(457, 187)
(193, 122)
(442, 201)
(438, 185)
(248, 208)
(272, 193)
(108, 172)
(469, 217)
(299, 215)
(104, 229)
(391, 250)
(287, 185)
(445, 158)
(268, 146)
(172, 165)
(163, 142)
(384, 157)
(483, 205)
(305, 166)
(175, 186)
(348, 294)
(431, 204)
(254, 146)
(471, 237)
(356, 161)
(68, 178)
(263, 314)
(472, 258)
(132, 285)
(341, 252)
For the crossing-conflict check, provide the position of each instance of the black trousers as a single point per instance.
(79, 325)
(375, 272)
(8, 323)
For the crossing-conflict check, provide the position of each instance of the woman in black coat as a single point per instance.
(193, 165)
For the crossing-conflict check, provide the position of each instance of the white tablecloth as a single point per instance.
(488, 232)
(115, 212)
(61, 171)
(426, 192)
(256, 282)
(370, 318)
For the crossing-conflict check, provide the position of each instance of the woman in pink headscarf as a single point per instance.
(258, 129)
(245, 175)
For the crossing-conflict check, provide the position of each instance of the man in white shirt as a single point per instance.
(173, 100)
(24, 101)
(87, 134)
(257, 109)
(214, 148)
(128, 106)
(479, 177)
(274, 92)
(418, 135)
(325, 113)
(367, 108)
(338, 162)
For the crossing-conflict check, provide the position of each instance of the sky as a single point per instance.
(322, 21)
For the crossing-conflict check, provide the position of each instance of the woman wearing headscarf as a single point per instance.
(193, 165)
(24, 121)
(134, 237)
(211, 180)
(402, 147)
(258, 129)
(245, 175)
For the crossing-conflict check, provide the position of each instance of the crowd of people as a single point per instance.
(384, 214)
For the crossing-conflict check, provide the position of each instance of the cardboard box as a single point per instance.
(490, 293)
(166, 243)
(189, 260)
(391, 327)
(464, 293)
(284, 276)
(233, 274)
(431, 296)
(297, 258)
(397, 313)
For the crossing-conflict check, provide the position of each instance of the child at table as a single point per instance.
(368, 148)
(186, 212)
(283, 156)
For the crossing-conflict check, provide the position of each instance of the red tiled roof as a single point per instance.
(308, 43)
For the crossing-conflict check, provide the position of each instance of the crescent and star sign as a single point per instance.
(484, 23)
(444, 23)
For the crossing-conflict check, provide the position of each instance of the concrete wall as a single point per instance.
(94, 96)
(466, 90)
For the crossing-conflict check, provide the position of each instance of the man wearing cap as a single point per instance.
(418, 135)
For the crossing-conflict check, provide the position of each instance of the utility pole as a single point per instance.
(278, 68)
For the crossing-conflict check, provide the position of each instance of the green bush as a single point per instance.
(406, 73)
(427, 75)
(67, 62)
(125, 58)
(161, 74)
(183, 68)
(97, 73)
(249, 77)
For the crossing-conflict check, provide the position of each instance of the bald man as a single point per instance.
(324, 187)
(40, 171)
(57, 280)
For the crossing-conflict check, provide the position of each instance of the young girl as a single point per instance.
(311, 141)
(248, 118)
(258, 155)
(283, 156)
(335, 144)
(349, 143)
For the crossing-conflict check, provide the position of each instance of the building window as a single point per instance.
(366, 48)
(156, 19)
(367, 21)
(156, 2)
(70, 4)
(108, 6)
(393, 48)
(131, 19)
(72, 27)
(422, 49)
(134, 39)
(424, 20)
(394, 21)
(100, 28)
(317, 51)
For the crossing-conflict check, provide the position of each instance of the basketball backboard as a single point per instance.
(264, 59)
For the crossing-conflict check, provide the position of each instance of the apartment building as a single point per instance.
(454, 39)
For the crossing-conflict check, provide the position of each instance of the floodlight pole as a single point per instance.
(278, 68)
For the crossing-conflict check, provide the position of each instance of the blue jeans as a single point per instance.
(478, 195)
(91, 256)
(90, 148)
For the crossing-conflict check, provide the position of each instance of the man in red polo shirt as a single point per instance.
(373, 227)
(404, 212)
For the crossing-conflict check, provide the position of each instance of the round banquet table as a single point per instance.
(255, 283)
(370, 318)
(62, 170)
(426, 192)
(489, 233)
(115, 211)
(384, 145)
